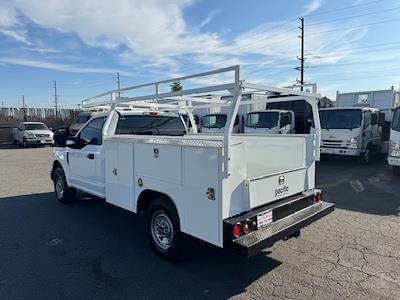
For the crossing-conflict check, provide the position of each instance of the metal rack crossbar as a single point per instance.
(195, 98)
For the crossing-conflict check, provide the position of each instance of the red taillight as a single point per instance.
(153, 113)
(247, 227)
(237, 230)
(318, 197)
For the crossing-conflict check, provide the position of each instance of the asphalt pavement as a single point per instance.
(91, 250)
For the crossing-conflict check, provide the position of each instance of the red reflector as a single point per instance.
(153, 113)
(237, 230)
(247, 226)
(318, 197)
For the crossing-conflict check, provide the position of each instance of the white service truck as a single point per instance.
(394, 142)
(236, 191)
(352, 131)
(272, 121)
(32, 133)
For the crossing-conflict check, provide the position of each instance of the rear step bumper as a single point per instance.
(253, 242)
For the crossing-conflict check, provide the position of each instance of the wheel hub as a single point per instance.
(60, 187)
(162, 230)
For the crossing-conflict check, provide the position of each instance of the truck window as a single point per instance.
(82, 119)
(92, 133)
(396, 120)
(340, 118)
(37, 126)
(214, 121)
(150, 125)
(262, 119)
(367, 118)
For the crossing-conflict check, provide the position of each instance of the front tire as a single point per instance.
(63, 192)
(24, 143)
(163, 229)
(365, 157)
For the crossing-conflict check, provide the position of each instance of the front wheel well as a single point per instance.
(147, 196)
(56, 164)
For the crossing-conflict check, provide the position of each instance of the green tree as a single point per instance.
(176, 86)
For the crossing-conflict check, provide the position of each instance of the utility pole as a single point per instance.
(118, 83)
(55, 98)
(23, 108)
(301, 58)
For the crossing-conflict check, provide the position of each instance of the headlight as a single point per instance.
(394, 149)
(29, 135)
(353, 143)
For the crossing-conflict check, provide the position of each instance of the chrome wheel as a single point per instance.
(60, 187)
(162, 230)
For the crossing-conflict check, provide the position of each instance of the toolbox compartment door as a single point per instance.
(266, 189)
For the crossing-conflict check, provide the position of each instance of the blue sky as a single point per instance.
(350, 45)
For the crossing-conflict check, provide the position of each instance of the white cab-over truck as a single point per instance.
(273, 121)
(236, 191)
(351, 131)
(32, 133)
(394, 142)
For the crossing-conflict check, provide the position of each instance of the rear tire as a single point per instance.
(163, 229)
(63, 192)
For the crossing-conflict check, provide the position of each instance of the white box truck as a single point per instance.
(394, 142)
(350, 131)
(236, 191)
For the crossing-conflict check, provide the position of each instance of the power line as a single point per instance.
(357, 26)
(334, 52)
(355, 16)
(342, 8)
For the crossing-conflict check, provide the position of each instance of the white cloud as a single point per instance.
(312, 6)
(18, 35)
(211, 15)
(55, 66)
(8, 16)
(151, 28)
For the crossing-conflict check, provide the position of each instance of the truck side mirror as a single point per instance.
(19, 129)
(374, 119)
(381, 120)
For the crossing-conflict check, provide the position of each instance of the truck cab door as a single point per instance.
(367, 129)
(86, 159)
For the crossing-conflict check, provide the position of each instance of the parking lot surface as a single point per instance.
(91, 250)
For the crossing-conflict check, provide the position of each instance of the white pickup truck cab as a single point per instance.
(352, 131)
(272, 121)
(236, 191)
(394, 142)
(32, 133)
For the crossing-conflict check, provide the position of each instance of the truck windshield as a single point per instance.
(82, 119)
(340, 118)
(262, 119)
(38, 126)
(150, 125)
(396, 120)
(214, 121)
